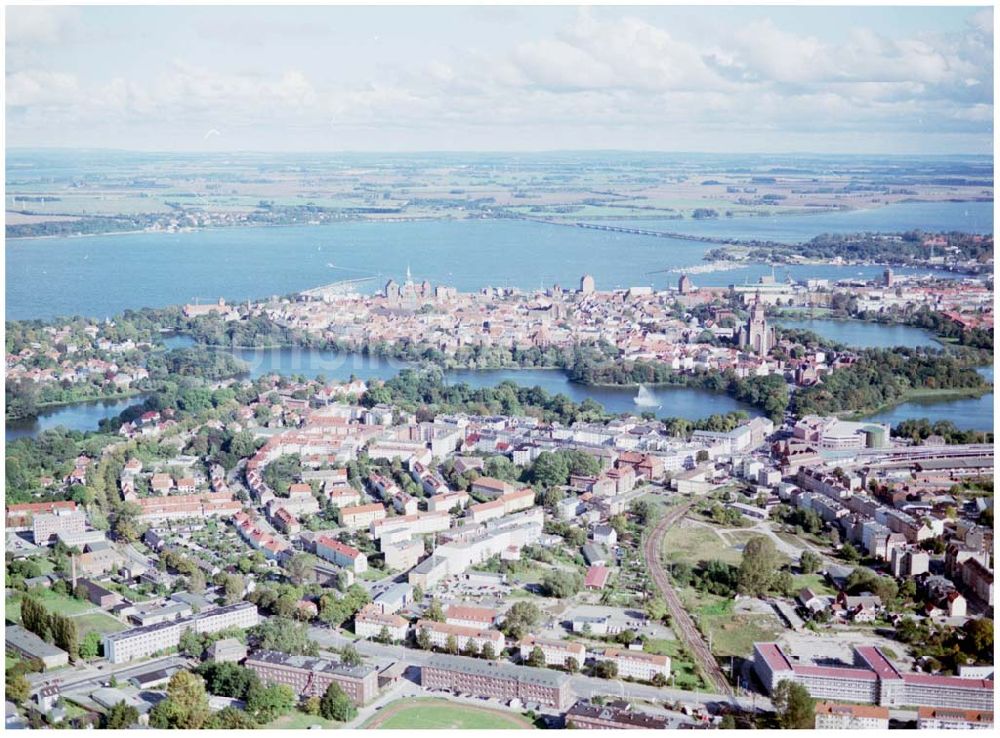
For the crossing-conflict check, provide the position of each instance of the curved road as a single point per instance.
(682, 622)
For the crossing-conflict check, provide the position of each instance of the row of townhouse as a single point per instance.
(429, 479)
(355, 517)
(259, 537)
(156, 509)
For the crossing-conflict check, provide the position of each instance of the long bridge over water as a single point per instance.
(631, 230)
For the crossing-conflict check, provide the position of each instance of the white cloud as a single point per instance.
(623, 74)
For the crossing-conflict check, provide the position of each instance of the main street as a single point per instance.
(682, 623)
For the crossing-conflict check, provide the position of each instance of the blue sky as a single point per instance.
(724, 79)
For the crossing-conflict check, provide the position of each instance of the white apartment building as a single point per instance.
(361, 516)
(836, 716)
(446, 502)
(402, 555)
(341, 554)
(143, 642)
(637, 664)
(440, 632)
(556, 652)
(413, 525)
(938, 718)
(46, 526)
(370, 620)
(471, 616)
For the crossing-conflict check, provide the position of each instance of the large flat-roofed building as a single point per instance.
(872, 680)
(836, 716)
(490, 679)
(310, 676)
(417, 524)
(834, 433)
(141, 642)
(47, 526)
(402, 555)
(937, 718)
(587, 716)
(25, 643)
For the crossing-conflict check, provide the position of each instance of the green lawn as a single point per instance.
(300, 721)
(55, 603)
(442, 715)
(693, 545)
(682, 670)
(97, 622)
(815, 582)
(731, 634)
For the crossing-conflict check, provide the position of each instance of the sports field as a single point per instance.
(430, 714)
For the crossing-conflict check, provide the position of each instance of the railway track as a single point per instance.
(683, 625)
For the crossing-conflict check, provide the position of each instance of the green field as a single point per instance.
(424, 714)
(683, 673)
(97, 622)
(732, 634)
(56, 603)
(696, 544)
(815, 582)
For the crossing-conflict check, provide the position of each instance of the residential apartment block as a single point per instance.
(637, 664)
(145, 641)
(489, 679)
(370, 620)
(440, 633)
(556, 652)
(836, 716)
(310, 677)
(871, 680)
(341, 554)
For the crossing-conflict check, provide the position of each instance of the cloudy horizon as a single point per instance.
(890, 80)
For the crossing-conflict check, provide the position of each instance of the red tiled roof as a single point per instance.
(337, 546)
(597, 576)
(935, 680)
(774, 656)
